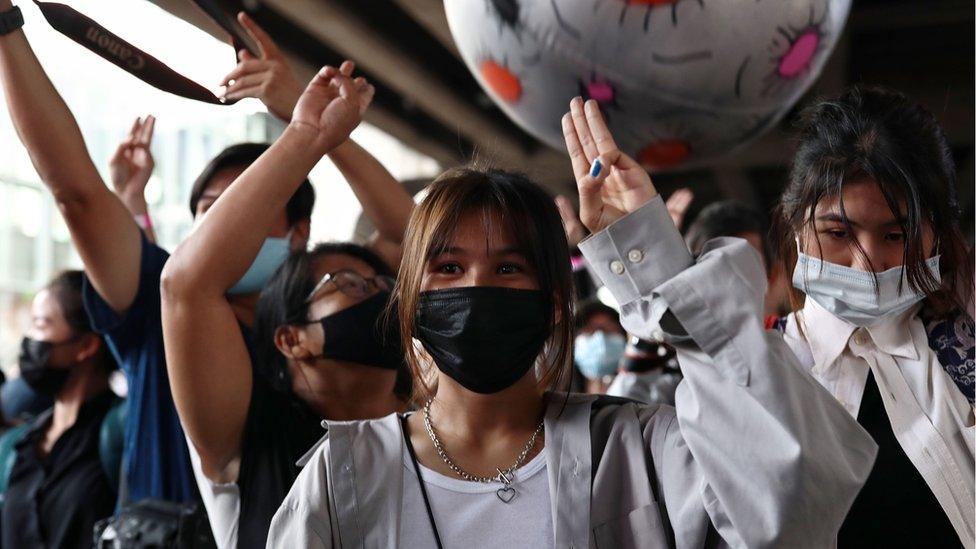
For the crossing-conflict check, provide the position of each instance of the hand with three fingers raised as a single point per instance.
(611, 184)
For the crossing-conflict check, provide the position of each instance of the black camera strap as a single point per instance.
(109, 46)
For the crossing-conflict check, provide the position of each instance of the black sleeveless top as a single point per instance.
(895, 508)
(280, 429)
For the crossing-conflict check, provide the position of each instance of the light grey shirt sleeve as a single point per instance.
(770, 455)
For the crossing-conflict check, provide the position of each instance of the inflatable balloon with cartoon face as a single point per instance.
(681, 82)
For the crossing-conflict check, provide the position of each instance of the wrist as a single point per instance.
(284, 108)
(11, 18)
(307, 140)
(144, 221)
(341, 150)
(134, 202)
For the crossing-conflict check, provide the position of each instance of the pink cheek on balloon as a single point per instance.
(801, 52)
(602, 92)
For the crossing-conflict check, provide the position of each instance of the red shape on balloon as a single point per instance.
(797, 59)
(502, 81)
(663, 154)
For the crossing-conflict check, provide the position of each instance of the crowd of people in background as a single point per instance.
(457, 380)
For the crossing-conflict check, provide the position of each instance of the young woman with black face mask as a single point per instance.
(57, 487)
(493, 458)
(869, 229)
(318, 351)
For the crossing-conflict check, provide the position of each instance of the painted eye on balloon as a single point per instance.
(792, 51)
(649, 6)
(507, 12)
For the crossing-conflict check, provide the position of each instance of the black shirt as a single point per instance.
(280, 429)
(55, 500)
(895, 508)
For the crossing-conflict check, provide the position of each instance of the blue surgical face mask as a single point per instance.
(851, 294)
(273, 253)
(598, 354)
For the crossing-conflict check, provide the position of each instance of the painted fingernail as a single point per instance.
(596, 168)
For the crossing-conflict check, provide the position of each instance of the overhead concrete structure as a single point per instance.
(427, 98)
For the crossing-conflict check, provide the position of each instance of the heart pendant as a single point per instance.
(506, 494)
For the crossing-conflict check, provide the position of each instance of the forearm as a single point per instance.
(220, 249)
(135, 203)
(385, 202)
(43, 121)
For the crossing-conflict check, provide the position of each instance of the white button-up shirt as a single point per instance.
(931, 419)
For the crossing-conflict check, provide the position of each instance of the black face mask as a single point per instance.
(361, 335)
(485, 338)
(35, 369)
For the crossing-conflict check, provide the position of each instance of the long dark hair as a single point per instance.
(875, 133)
(534, 221)
(282, 303)
(67, 289)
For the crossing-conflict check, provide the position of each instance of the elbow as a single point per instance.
(67, 195)
(178, 282)
(219, 469)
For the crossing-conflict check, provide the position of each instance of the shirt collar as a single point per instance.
(894, 337)
(826, 334)
(829, 335)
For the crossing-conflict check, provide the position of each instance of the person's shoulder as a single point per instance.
(607, 411)
(380, 435)
(347, 445)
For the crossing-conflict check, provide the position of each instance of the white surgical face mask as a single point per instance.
(850, 294)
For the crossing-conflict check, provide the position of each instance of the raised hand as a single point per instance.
(611, 184)
(331, 107)
(677, 205)
(268, 78)
(132, 164)
(575, 231)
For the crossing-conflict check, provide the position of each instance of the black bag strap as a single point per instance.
(109, 46)
(420, 480)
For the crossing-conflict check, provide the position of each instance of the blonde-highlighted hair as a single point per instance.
(532, 218)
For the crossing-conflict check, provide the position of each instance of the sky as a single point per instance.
(111, 98)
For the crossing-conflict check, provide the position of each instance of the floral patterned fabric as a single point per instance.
(952, 339)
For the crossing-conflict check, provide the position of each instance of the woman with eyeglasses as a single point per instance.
(317, 351)
(757, 454)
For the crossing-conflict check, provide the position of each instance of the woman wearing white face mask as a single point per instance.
(598, 346)
(883, 289)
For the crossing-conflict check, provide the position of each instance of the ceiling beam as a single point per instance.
(349, 36)
(431, 16)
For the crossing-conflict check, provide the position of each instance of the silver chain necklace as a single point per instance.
(507, 476)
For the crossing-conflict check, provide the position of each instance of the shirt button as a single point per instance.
(635, 256)
(657, 335)
(859, 337)
(617, 267)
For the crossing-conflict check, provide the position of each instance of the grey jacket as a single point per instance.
(755, 454)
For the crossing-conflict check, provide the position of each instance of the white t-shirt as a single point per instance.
(470, 515)
(222, 501)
